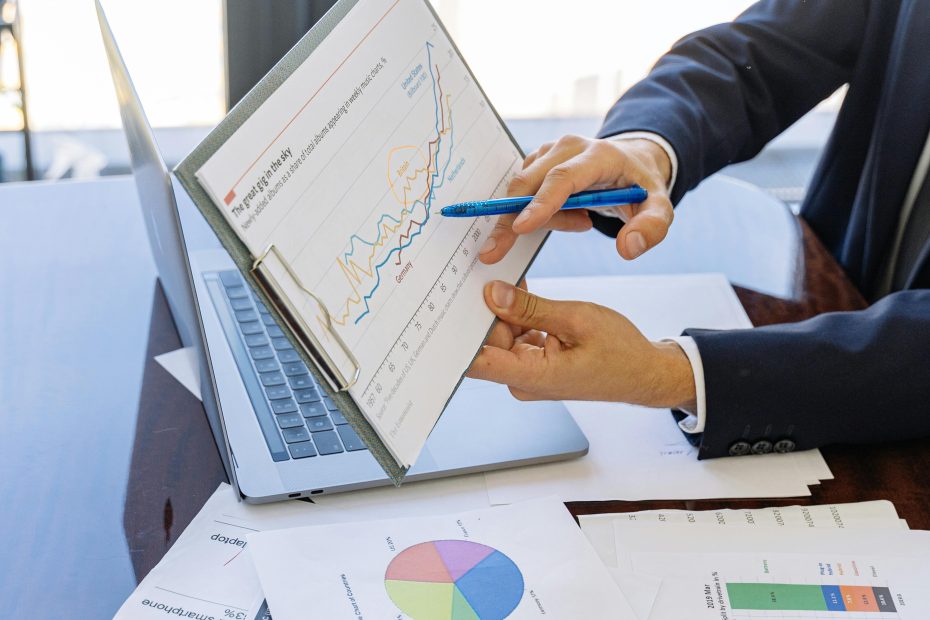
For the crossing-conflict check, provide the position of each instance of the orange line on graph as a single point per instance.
(354, 271)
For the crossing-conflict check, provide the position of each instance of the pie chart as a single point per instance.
(454, 580)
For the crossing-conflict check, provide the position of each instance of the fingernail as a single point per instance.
(635, 244)
(489, 245)
(502, 294)
(524, 215)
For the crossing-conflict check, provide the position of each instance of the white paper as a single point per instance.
(638, 453)
(182, 365)
(599, 528)
(641, 589)
(342, 169)
(699, 564)
(835, 585)
(519, 561)
(205, 571)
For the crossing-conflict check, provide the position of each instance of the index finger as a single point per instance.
(561, 181)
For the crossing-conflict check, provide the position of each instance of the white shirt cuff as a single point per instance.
(695, 421)
(662, 142)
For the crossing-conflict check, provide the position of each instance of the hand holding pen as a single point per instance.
(575, 164)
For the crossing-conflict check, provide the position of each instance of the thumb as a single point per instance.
(519, 307)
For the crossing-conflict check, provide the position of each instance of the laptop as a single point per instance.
(278, 431)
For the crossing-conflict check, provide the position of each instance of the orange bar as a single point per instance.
(859, 598)
(229, 197)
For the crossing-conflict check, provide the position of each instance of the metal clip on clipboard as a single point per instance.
(302, 332)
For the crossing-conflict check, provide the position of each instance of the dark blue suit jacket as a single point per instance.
(718, 97)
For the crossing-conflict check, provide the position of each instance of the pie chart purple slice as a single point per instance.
(461, 556)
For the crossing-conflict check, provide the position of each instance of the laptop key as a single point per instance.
(268, 320)
(290, 420)
(295, 368)
(276, 392)
(350, 439)
(244, 316)
(294, 435)
(281, 344)
(275, 332)
(251, 328)
(261, 307)
(319, 424)
(266, 365)
(284, 405)
(330, 404)
(301, 450)
(307, 396)
(241, 304)
(301, 382)
(237, 292)
(230, 278)
(256, 340)
(261, 353)
(326, 442)
(338, 418)
(272, 378)
(288, 356)
(313, 410)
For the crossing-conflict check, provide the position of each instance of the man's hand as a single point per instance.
(567, 350)
(574, 164)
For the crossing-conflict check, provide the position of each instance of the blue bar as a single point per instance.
(833, 598)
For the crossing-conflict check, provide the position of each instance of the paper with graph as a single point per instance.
(523, 561)
(342, 169)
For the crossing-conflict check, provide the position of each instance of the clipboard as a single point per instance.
(257, 269)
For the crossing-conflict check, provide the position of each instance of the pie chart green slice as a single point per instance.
(422, 600)
(461, 610)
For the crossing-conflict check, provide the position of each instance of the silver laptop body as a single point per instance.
(483, 427)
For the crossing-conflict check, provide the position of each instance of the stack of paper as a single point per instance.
(207, 572)
(437, 550)
(794, 561)
(638, 453)
(519, 561)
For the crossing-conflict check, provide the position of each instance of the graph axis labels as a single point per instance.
(454, 580)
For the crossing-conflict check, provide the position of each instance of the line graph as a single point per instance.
(363, 272)
(351, 214)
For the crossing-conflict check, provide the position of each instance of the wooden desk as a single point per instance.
(105, 458)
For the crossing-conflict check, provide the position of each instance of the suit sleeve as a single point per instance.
(720, 94)
(845, 377)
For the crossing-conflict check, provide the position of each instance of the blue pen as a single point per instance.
(582, 200)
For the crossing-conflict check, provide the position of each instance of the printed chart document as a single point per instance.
(642, 589)
(638, 453)
(334, 181)
(781, 573)
(206, 572)
(528, 560)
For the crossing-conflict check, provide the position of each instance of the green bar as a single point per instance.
(776, 597)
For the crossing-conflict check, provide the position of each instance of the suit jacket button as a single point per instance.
(762, 446)
(785, 445)
(740, 448)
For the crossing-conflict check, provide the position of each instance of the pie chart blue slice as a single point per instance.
(493, 587)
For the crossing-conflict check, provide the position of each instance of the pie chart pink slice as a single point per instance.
(419, 563)
(461, 556)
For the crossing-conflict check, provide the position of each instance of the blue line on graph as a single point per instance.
(427, 204)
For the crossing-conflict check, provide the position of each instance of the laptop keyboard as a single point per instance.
(296, 414)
